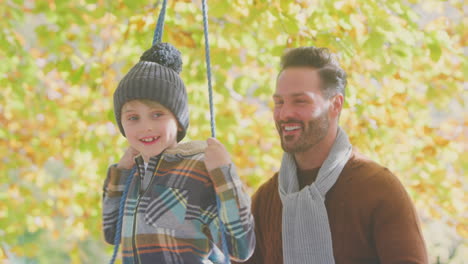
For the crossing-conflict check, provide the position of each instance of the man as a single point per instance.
(328, 203)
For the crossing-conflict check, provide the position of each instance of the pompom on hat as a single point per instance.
(155, 77)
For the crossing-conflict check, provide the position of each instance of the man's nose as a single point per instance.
(286, 113)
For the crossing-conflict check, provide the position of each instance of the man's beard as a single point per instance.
(313, 133)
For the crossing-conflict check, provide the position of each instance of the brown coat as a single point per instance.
(372, 218)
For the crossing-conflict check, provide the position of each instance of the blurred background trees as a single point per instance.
(61, 61)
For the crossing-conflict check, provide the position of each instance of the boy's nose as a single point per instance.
(149, 128)
(146, 126)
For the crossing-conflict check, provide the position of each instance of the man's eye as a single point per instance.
(278, 102)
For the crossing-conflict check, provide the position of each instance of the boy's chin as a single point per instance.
(147, 156)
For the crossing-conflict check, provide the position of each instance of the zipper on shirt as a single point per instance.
(135, 260)
(136, 257)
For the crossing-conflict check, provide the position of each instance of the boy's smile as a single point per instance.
(149, 140)
(149, 127)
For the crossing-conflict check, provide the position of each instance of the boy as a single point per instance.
(170, 213)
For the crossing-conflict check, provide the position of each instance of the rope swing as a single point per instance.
(158, 32)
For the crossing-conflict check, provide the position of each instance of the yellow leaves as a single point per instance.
(462, 227)
(71, 36)
(32, 223)
(452, 128)
(440, 141)
(439, 23)
(66, 49)
(80, 231)
(3, 211)
(421, 187)
(435, 213)
(428, 130)
(429, 151)
(109, 82)
(13, 191)
(183, 38)
(399, 99)
(139, 24)
(52, 5)
(338, 5)
(110, 31)
(13, 126)
(460, 203)
(20, 38)
(66, 114)
(14, 75)
(55, 234)
(359, 27)
(142, 23)
(36, 53)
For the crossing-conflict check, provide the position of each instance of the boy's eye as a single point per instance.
(156, 115)
(132, 118)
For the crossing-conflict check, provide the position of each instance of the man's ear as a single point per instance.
(336, 104)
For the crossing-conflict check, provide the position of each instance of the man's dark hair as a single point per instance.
(332, 75)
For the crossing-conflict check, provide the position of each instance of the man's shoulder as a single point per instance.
(363, 165)
(267, 188)
(363, 170)
(272, 182)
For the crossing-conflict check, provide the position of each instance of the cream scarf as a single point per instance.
(306, 231)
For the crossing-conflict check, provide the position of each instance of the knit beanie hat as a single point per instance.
(155, 77)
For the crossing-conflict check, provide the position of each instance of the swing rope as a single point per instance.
(158, 32)
(208, 67)
(118, 231)
(213, 125)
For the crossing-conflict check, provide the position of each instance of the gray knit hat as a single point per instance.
(156, 77)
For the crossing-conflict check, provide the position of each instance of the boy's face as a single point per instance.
(149, 128)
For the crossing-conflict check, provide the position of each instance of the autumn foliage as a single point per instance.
(61, 61)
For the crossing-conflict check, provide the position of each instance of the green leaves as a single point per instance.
(63, 60)
(374, 43)
(435, 48)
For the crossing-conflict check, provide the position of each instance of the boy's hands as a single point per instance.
(128, 159)
(216, 155)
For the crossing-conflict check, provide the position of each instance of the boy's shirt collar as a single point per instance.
(150, 166)
(146, 170)
(188, 148)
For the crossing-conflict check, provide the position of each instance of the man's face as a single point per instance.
(301, 112)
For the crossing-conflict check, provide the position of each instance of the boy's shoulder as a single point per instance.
(188, 148)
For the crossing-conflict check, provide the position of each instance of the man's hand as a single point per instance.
(128, 159)
(216, 155)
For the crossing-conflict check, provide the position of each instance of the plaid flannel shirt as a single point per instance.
(175, 220)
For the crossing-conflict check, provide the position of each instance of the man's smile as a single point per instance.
(291, 128)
